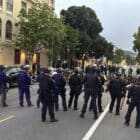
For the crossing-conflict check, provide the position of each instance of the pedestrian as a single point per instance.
(134, 95)
(116, 88)
(60, 90)
(3, 86)
(24, 82)
(90, 85)
(75, 83)
(47, 88)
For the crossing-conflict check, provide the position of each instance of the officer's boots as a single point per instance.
(82, 115)
(4, 105)
(95, 116)
(53, 120)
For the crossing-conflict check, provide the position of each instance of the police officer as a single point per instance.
(47, 88)
(116, 88)
(3, 87)
(100, 90)
(134, 94)
(24, 82)
(90, 85)
(60, 83)
(75, 89)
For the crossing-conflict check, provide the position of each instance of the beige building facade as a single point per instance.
(9, 54)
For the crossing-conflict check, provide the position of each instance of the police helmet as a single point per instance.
(58, 70)
(75, 71)
(2, 67)
(46, 70)
(118, 74)
(87, 69)
(93, 69)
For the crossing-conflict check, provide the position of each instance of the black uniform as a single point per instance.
(91, 83)
(100, 89)
(3, 87)
(117, 90)
(60, 83)
(46, 85)
(134, 94)
(75, 89)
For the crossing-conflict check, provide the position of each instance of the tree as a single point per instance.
(119, 56)
(130, 60)
(99, 48)
(69, 44)
(39, 28)
(85, 20)
(109, 51)
(136, 42)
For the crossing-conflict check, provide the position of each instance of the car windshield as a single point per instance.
(11, 70)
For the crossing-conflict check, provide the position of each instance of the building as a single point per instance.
(9, 10)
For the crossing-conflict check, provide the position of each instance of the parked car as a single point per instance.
(11, 73)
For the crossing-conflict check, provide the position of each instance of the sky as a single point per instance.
(120, 18)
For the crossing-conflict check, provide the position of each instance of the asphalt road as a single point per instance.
(25, 123)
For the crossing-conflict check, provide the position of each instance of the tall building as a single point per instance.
(9, 10)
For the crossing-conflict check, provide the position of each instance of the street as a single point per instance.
(25, 123)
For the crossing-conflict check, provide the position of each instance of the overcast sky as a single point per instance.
(119, 18)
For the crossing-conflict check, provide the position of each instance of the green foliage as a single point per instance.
(109, 51)
(100, 46)
(39, 27)
(70, 41)
(130, 60)
(136, 41)
(85, 20)
(119, 56)
(136, 46)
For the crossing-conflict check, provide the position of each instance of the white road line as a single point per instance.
(91, 131)
(7, 118)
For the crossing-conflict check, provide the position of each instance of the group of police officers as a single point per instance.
(53, 86)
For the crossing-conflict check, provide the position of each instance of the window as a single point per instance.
(10, 5)
(17, 56)
(23, 5)
(51, 2)
(0, 27)
(9, 30)
(0, 3)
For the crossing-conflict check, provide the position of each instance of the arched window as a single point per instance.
(9, 30)
(10, 5)
(0, 3)
(0, 28)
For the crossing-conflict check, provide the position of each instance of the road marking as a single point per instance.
(7, 118)
(91, 131)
